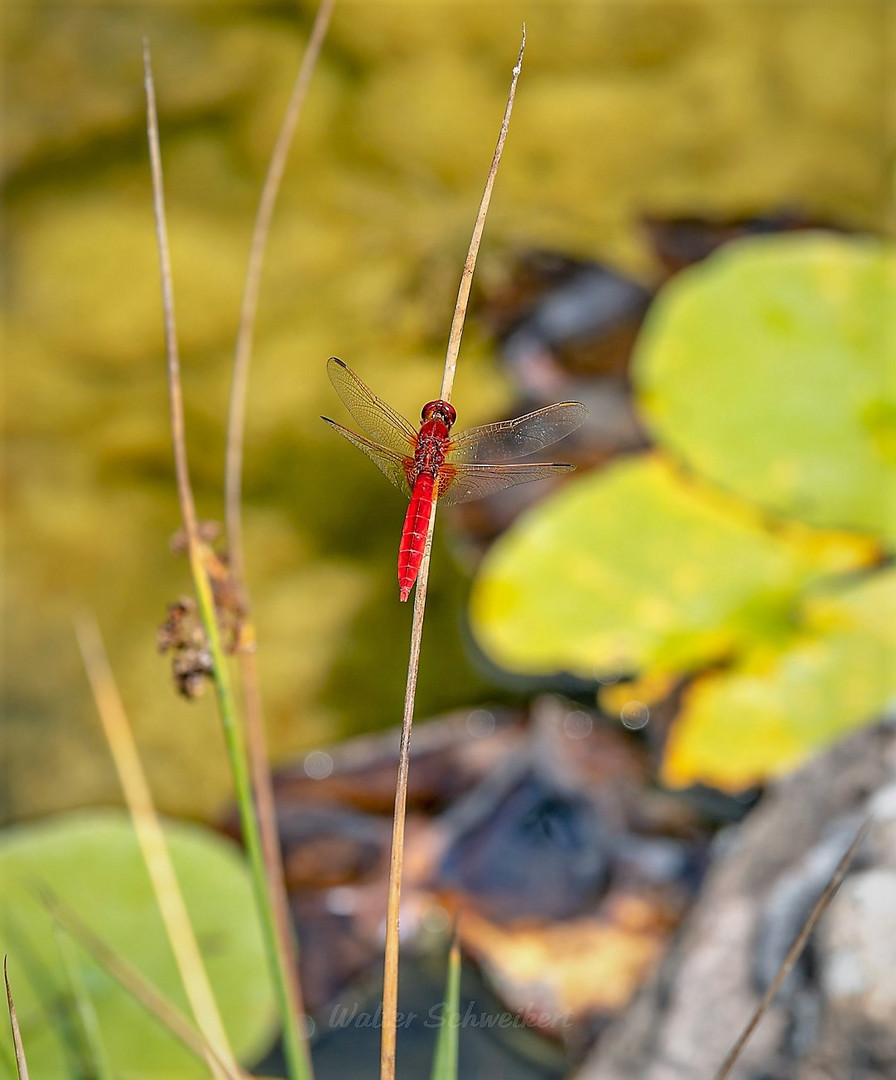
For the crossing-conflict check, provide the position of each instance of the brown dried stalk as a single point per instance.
(256, 741)
(390, 967)
(21, 1063)
(295, 1044)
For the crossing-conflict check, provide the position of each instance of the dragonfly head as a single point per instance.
(439, 410)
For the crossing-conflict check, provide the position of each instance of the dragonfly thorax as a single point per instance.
(439, 410)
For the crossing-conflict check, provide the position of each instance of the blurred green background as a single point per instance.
(722, 107)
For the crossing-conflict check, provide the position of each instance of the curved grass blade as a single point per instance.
(141, 989)
(150, 837)
(83, 1010)
(256, 740)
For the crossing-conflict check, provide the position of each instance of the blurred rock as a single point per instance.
(834, 1015)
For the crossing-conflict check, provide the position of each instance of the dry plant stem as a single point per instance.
(256, 742)
(266, 812)
(152, 841)
(296, 1050)
(172, 354)
(390, 966)
(21, 1063)
(466, 280)
(137, 985)
(237, 410)
(795, 950)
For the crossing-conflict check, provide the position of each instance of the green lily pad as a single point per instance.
(639, 568)
(92, 862)
(771, 710)
(771, 370)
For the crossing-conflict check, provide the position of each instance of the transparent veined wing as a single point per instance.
(460, 482)
(381, 422)
(510, 439)
(392, 465)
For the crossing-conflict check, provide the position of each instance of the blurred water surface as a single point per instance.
(623, 109)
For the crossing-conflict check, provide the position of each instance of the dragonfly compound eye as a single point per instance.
(439, 410)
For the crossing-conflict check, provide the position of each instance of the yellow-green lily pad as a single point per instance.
(767, 713)
(91, 862)
(771, 370)
(641, 568)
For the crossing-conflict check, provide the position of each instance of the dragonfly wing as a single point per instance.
(392, 465)
(381, 422)
(510, 439)
(460, 483)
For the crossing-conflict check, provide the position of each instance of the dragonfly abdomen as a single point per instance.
(413, 535)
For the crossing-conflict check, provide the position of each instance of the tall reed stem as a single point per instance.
(256, 740)
(390, 965)
(296, 1049)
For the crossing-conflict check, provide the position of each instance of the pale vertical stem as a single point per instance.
(256, 741)
(236, 418)
(259, 767)
(152, 842)
(466, 279)
(295, 1046)
(172, 353)
(390, 966)
(393, 906)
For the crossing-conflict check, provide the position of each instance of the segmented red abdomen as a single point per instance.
(429, 457)
(413, 535)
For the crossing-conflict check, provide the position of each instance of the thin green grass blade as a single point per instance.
(83, 1008)
(444, 1065)
(136, 984)
(53, 1004)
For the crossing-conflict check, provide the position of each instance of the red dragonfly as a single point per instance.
(432, 463)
